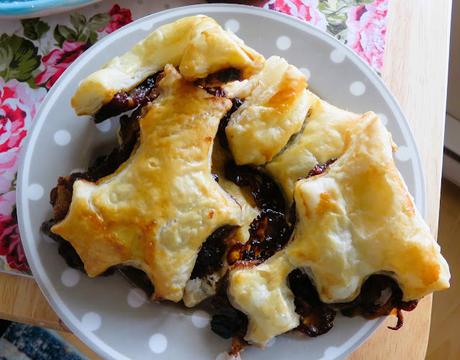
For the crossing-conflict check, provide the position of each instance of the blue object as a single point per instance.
(20, 341)
(29, 8)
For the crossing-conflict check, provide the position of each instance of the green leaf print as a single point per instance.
(98, 21)
(81, 30)
(78, 21)
(63, 33)
(18, 57)
(34, 29)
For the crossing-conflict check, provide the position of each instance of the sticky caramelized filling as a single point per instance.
(124, 101)
(380, 295)
(266, 193)
(212, 252)
(227, 322)
(268, 233)
(236, 103)
(316, 318)
(213, 82)
(318, 169)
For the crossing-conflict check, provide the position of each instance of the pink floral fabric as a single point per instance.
(361, 24)
(10, 244)
(306, 10)
(18, 106)
(35, 56)
(30, 72)
(58, 60)
(366, 31)
(118, 18)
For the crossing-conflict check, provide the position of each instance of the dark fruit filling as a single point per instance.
(380, 295)
(316, 318)
(213, 83)
(212, 251)
(236, 103)
(269, 232)
(266, 193)
(124, 101)
(227, 322)
(320, 168)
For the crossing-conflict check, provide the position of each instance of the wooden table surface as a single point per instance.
(416, 63)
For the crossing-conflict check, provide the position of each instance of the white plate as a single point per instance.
(105, 312)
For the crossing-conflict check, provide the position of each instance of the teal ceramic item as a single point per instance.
(34, 8)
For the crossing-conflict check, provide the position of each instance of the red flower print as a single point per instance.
(18, 105)
(306, 10)
(10, 243)
(118, 18)
(58, 60)
(366, 31)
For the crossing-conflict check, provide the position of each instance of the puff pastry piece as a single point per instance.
(355, 220)
(275, 107)
(196, 44)
(359, 219)
(263, 294)
(158, 208)
(325, 136)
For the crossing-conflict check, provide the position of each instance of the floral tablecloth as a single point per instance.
(35, 52)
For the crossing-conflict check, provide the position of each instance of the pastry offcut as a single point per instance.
(235, 185)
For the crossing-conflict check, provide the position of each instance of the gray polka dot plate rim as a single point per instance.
(107, 313)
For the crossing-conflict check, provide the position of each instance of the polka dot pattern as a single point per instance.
(158, 343)
(337, 56)
(357, 88)
(35, 192)
(91, 321)
(104, 126)
(136, 298)
(222, 356)
(283, 42)
(200, 319)
(403, 153)
(70, 277)
(232, 25)
(62, 137)
(306, 72)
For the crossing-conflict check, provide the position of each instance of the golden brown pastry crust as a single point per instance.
(275, 107)
(325, 136)
(355, 220)
(196, 44)
(158, 208)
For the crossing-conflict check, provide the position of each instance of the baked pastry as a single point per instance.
(325, 136)
(196, 44)
(275, 107)
(156, 210)
(353, 220)
(234, 183)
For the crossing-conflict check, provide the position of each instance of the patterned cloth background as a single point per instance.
(35, 52)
